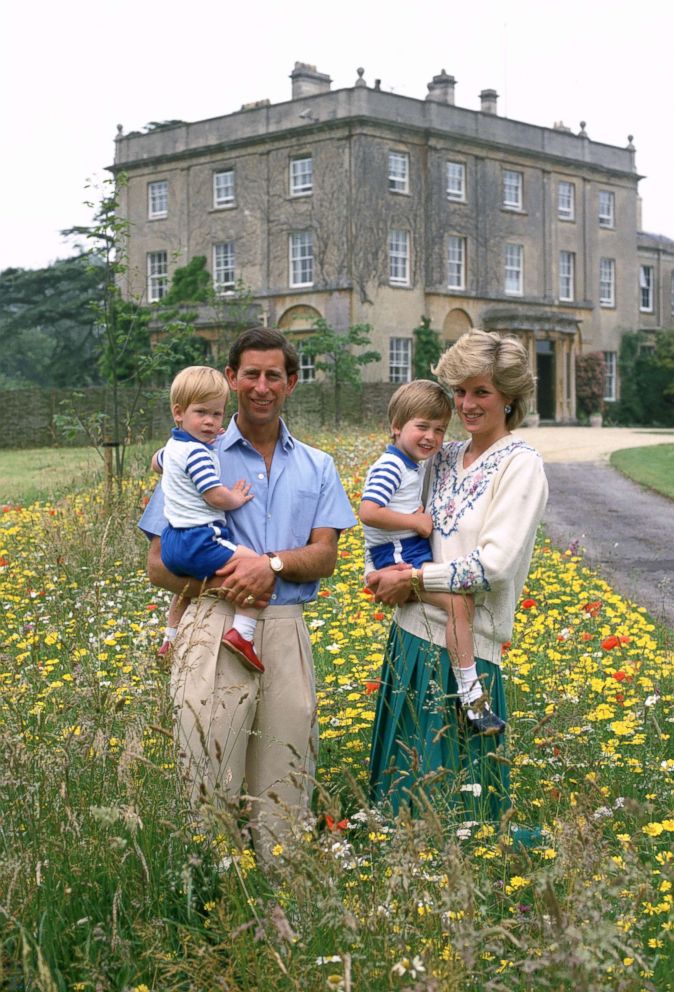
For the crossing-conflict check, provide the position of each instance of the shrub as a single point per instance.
(590, 380)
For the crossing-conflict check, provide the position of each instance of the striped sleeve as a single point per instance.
(201, 470)
(383, 481)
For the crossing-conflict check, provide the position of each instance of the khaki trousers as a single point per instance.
(234, 726)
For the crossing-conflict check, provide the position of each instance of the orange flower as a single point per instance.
(619, 676)
(528, 603)
(505, 646)
(379, 615)
(610, 642)
(372, 686)
(334, 825)
(593, 609)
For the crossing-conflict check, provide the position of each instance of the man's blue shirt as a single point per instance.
(302, 492)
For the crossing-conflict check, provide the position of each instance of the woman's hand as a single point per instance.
(391, 585)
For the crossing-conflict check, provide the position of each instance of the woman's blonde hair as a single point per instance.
(198, 384)
(503, 359)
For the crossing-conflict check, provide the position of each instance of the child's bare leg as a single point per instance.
(175, 614)
(460, 611)
(239, 638)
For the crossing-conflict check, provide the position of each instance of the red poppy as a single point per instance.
(624, 639)
(344, 554)
(505, 646)
(619, 676)
(333, 824)
(586, 635)
(150, 607)
(365, 591)
(324, 593)
(3, 562)
(372, 686)
(619, 698)
(610, 642)
(593, 609)
(379, 616)
(528, 603)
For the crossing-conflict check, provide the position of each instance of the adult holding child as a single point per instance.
(233, 724)
(486, 497)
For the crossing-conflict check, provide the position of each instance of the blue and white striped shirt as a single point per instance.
(189, 469)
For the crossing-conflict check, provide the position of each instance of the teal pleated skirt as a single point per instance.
(422, 749)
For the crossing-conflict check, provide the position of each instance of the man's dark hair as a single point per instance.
(264, 339)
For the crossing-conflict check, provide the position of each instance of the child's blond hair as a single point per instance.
(198, 384)
(419, 398)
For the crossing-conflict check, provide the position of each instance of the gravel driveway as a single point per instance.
(627, 532)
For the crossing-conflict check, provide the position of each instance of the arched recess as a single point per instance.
(298, 322)
(455, 324)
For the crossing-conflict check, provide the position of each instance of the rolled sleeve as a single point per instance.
(153, 521)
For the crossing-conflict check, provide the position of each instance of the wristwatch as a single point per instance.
(275, 562)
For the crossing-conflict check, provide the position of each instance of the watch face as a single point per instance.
(276, 563)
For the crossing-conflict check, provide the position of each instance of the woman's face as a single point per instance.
(481, 408)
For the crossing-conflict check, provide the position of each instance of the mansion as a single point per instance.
(363, 206)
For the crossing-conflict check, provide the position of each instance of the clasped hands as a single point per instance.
(392, 585)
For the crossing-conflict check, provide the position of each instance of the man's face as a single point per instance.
(261, 385)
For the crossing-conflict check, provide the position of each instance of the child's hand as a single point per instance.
(421, 522)
(240, 493)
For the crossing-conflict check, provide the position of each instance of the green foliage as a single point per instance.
(191, 283)
(590, 380)
(334, 355)
(48, 330)
(646, 379)
(427, 349)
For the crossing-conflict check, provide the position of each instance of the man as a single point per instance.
(233, 724)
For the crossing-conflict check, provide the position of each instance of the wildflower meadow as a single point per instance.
(106, 883)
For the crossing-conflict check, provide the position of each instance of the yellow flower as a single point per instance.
(653, 829)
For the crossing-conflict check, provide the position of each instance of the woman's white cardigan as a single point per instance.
(485, 519)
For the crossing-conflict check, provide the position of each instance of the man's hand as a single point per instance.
(244, 577)
(421, 522)
(391, 585)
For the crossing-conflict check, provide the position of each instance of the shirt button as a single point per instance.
(269, 516)
(260, 475)
(273, 595)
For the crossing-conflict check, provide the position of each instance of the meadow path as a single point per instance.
(626, 531)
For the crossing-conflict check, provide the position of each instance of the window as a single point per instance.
(223, 267)
(610, 375)
(157, 199)
(157, 275)
(566, 200)
(302, 259)
(514, 262)
(512, 189)
(456, 181)
(646, 288)
(607, 282)
(399, 258)
(567, 267)
(606, 208)
(456, 262)
(307, 369)
(398, 172)
(223, 188)
(400, 360)
(301, 176)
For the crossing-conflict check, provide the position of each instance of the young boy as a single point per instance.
(397, 528)
(196, 541)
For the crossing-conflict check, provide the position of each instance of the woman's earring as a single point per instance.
(508, 409)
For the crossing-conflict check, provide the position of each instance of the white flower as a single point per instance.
(473, 787)
(333, 959)
(651, 700)
(406, 967)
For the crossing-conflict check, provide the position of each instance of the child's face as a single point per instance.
(202, 420)
(420, 437)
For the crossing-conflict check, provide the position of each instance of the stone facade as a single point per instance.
(362, 206)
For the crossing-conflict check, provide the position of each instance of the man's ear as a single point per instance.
(292, 382)
(230, 375)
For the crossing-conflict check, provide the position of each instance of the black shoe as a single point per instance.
(485, 722)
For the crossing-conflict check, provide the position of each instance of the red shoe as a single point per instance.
(165, 649)
(243, 648)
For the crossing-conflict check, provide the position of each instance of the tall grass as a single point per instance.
(107, 883)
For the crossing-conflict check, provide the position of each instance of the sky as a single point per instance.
(72, 70)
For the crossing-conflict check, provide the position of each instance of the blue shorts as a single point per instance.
(197, 551)
(411, 550)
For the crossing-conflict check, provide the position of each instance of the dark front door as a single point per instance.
(545, 370)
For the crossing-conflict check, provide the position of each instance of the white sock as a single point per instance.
(170, 634)
(468, 684)
(245, 626)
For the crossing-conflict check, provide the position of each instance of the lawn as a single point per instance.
(652, 467)
(107, 884)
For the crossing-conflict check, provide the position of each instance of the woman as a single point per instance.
(486, 496)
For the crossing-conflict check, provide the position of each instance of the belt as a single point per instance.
(268, 613)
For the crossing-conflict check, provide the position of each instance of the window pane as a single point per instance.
(566, 200)
(301, 176)
(606, 282)
(566, 275)
(400, 360)
(398, 172)
(223, 266)
(301, 259)
(646, 287)
(398, 253)
(456, 262)
(157, 199)
(606, 208)
(610, 380)
(514, 255)
(456, 181)
(512, 189)
(223, 188)
(157, 275)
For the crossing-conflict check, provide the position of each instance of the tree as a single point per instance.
(427, 349)
(590, 381)
(333, 352)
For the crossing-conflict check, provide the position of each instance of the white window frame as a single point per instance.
(513, 284)
(646, 285)
(456, 181)
(399, 257)
(398, 172)
(611, 376)
(302, 175)
(513, 185)
(456, 262)
(566, 200)
(224, 192)
(400, 360)
(307, 365)
(567, 275)
(157, 275)
(606, 212)
(224, 265)
(607, 282)
(301, 258)
(157, 199)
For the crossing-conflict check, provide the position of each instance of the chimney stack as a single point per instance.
(488, 101)
(441, 89)
(306, 81)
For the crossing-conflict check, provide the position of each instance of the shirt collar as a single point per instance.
(178, 434)
(392, 450)
(234, 436)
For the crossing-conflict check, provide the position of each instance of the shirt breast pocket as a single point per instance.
(302, 514)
